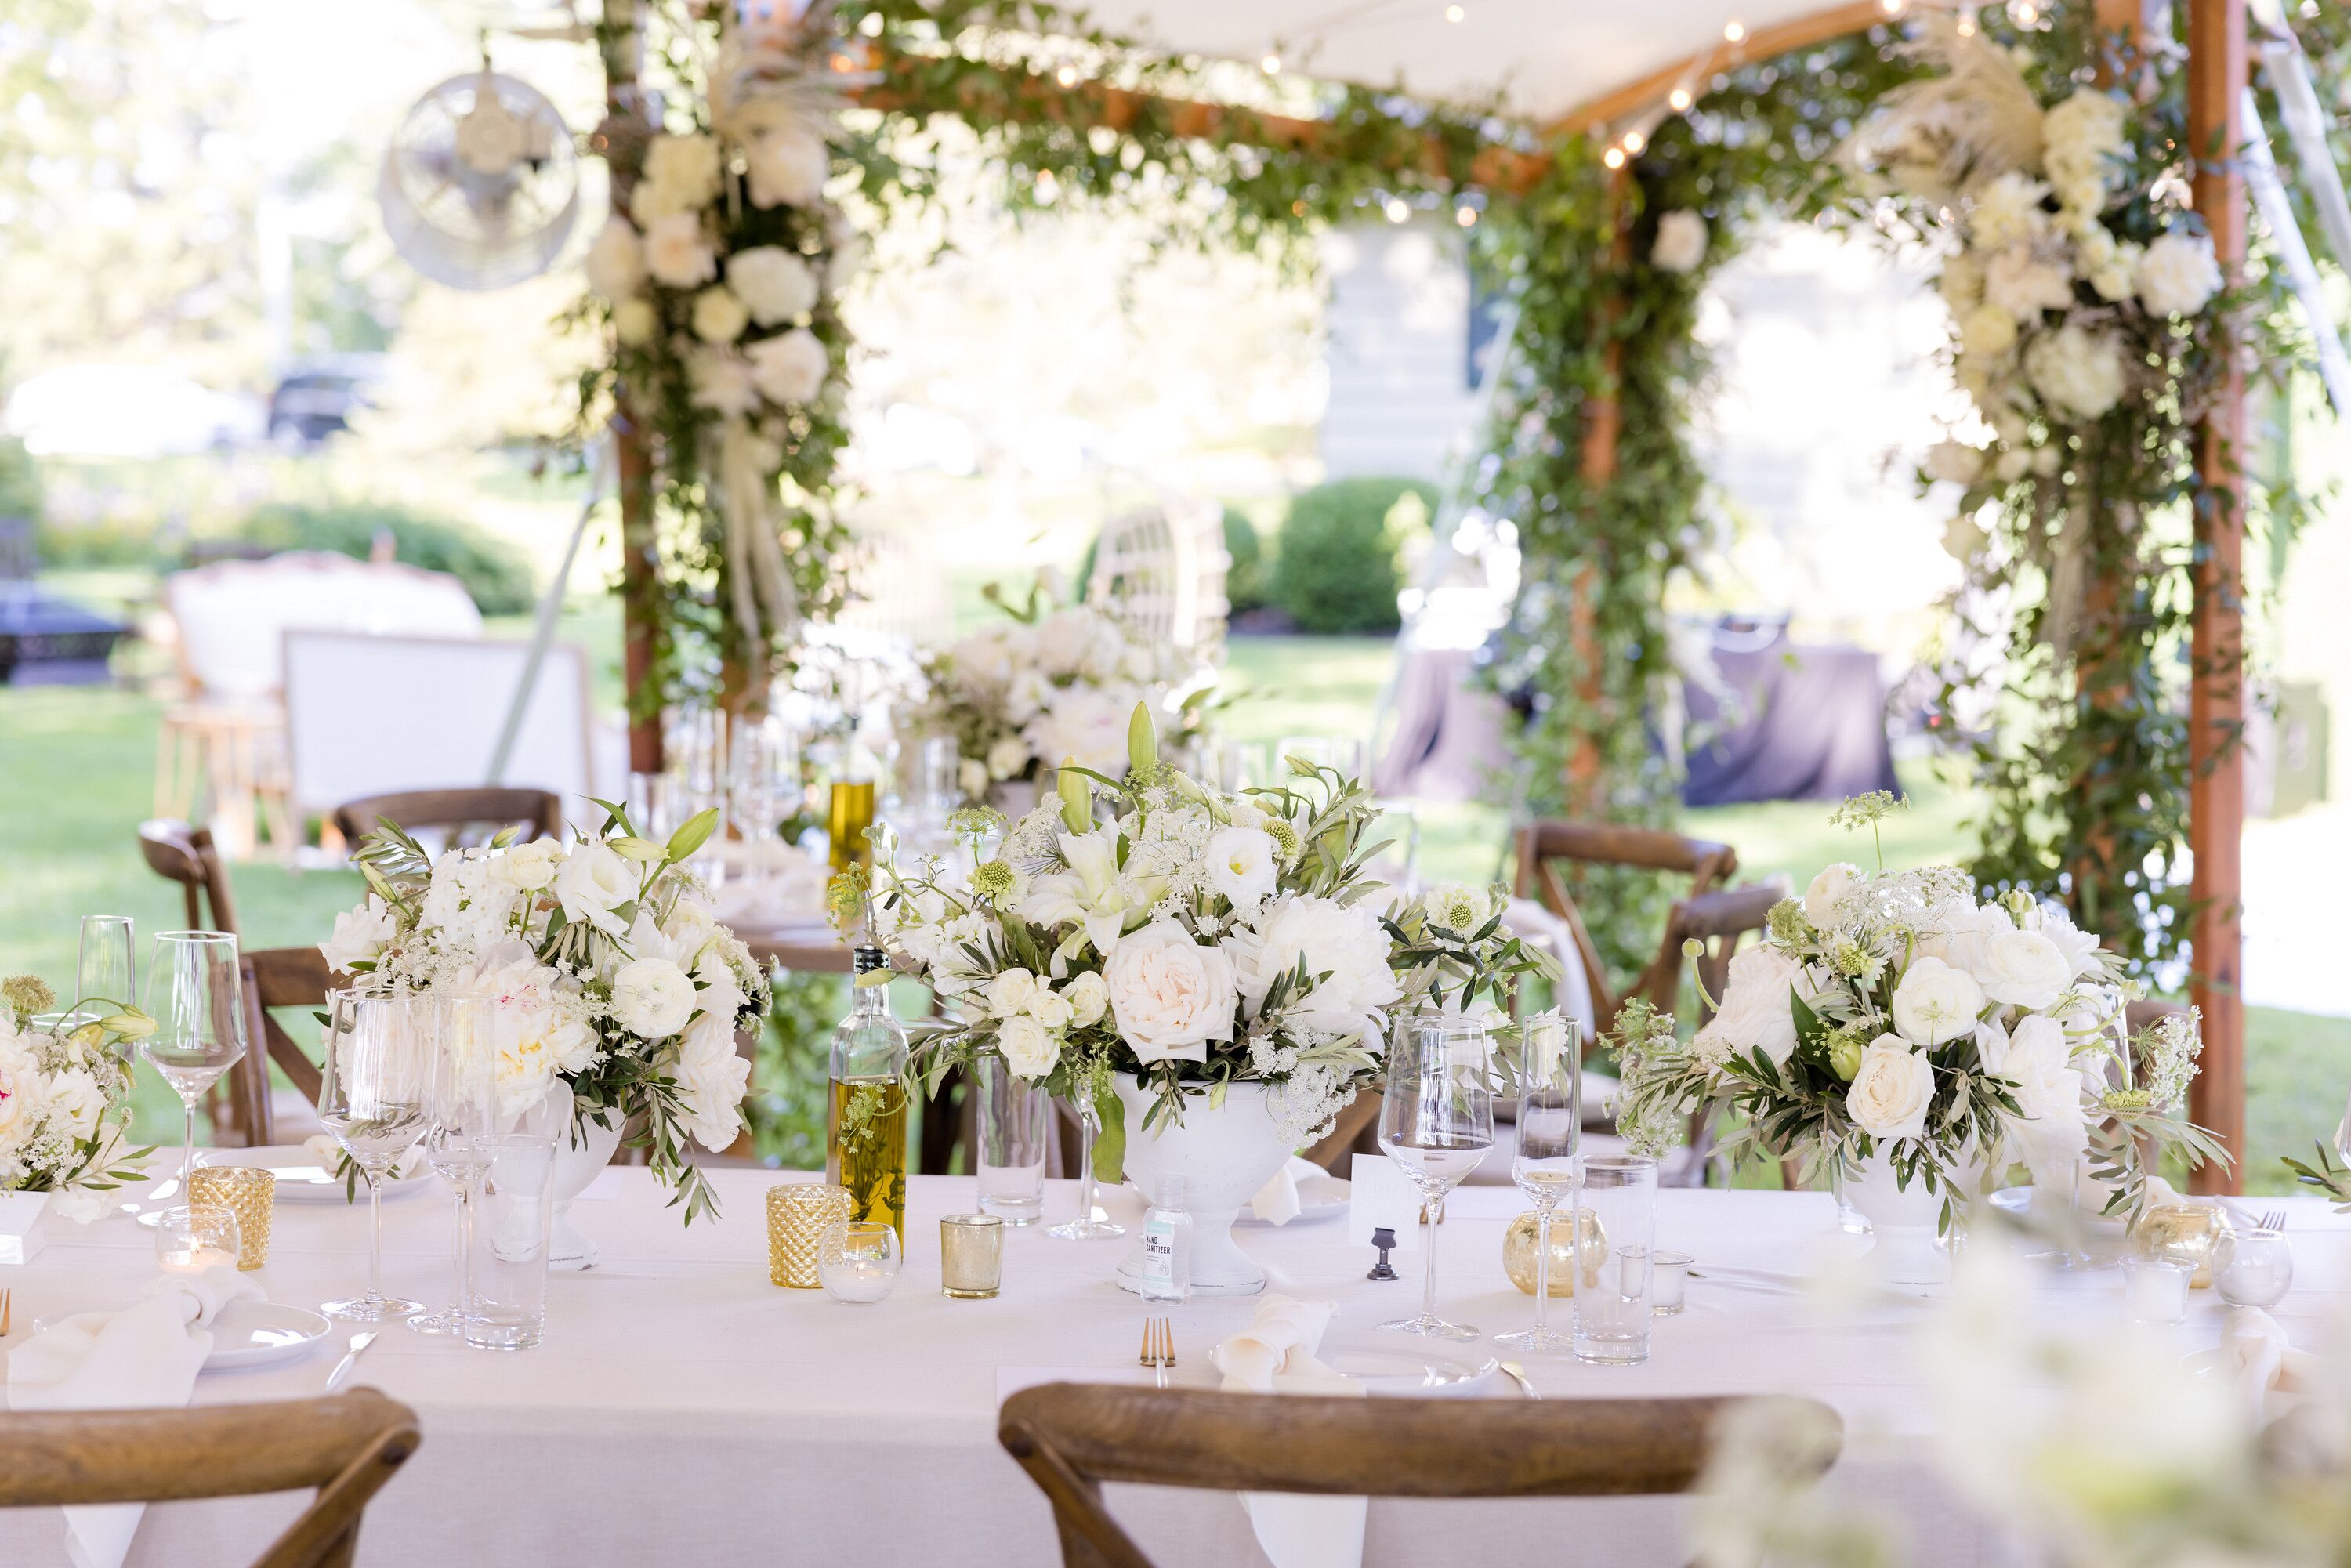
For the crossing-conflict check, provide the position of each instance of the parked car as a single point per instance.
(127, 411)
(315, 397)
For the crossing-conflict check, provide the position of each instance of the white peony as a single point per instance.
(1029, 1048)
(2080, 947)
(1828, 891)
(527, 867)
(788, 168)
(1680, 245)
(76, 1102)
(711, 1076)
(1953, 463)
(1893, 1090)
(2025, 285)
(538, 1028)
(1170, 995)
(1086, 724)
(790, 369)
(2178, 274)
(360, 935)
(775, 284)
(1347, 956)
(1088, 998)
(1988, 330)
(681, 174)
(2023, 968)
(1758, 1008)
(634, 323)
(652, 998)
(722, 381)
(1935, 1002)
(2006, 211)
(719, 317)
(592, 883)
(2077, 372)
(616, 261)
(1243, 864)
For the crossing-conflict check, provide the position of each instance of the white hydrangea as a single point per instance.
(2078, 373)
(2081, 138)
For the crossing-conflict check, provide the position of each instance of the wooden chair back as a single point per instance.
(347, 1445)
(272, 977)
(1071, 1438)
(538, 812)
(179, 852)
(1544, 846)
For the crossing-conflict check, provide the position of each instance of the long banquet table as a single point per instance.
(683, 1410)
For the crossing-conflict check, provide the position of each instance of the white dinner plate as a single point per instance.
(255, 1334)
(2018, 1200)
(1319, 1197)
(1396, 1365)
(302, 1179)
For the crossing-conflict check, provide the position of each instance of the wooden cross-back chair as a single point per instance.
(347, 1445)
(246, 1112)
(1542, 846)
(1071, 1438)
(179, 852)
(468, 816)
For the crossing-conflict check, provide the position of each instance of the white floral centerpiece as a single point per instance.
(1893, 1015)
(614, 985)
(1050, 682)
(65, 1098)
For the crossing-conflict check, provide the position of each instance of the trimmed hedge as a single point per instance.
(1337, 570)
(496, 573)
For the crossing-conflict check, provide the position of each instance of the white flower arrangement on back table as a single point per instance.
(1192, 939)
(613, 983)
(64, 1097)
(1894, 1011)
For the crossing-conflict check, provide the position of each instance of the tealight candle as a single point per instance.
(196, 1237)
(858, 1261)
(2155, 1289)
(194, 1260)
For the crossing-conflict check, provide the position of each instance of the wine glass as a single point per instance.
(1089, 1221)
(199, 1011)
(371, 1097)
(104, 971)
(1436, 1122)
(460, 1109)
(758, 759)
(1545, 1165)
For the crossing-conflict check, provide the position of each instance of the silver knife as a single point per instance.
(360, 1342)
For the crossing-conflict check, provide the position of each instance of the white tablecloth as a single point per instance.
(683, 1410)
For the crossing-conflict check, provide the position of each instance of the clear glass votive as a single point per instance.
(1613, 1313)
(858, 1260)
(2155, 1289)
(250, 1192)
(196, 1237)
(1015, 1122)
(2252, 1268)
(506, 1268)
(1669, 1274)
(971, 1255)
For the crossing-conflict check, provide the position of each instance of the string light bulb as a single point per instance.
(1734, 32)
(1454, 13)
(1681, 99)
(1614, 157)
(1270, 65)
(2023, 13)
(1067, 76)
(1635, 141)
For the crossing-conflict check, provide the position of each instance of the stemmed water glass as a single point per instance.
(1550, 1131)
(461, 1106)
(1088, 1222)
(1436, 1122)
(199, 1011)
(372, 1096)
(103, 972)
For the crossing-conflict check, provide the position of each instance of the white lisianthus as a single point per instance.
(1988, 330)
(634, 323)
(676, 253)
(652, 998)
(1893, 1090)
(1086, 724)
(1243, 865)
(786, 168)
(711, 1076)
(2007, 210)
(1027, 1047)
(2077, 372)
(1827, 891)
(2178, 274)
(616, 260)
(722, 381)
(790, 369)
(1088, 998)
(1952, 463)
(1935, 1002)
(719, 317)
(530, 866)
(1009, 994)
(2025, 285)
(2023, 968)
(592, 883)
(774, 284)
(1170, 995)
(1758, 1008)
(1680, 245)
(1458, 907)
(360, 935)
(1343, 944)
(2080, 947)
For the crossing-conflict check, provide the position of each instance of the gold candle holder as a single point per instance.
(250, 1195)
(2185, 1234)
(971, 1256)
(1518, 1251)
(799, 1214)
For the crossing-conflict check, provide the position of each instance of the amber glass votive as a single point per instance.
(971, 1255)
(250, 1194)
(799, 1214)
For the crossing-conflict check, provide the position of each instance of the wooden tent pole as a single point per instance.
(1603, 426)
(2216, 712)
(624, 52)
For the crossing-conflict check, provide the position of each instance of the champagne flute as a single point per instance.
(461, 1105)
(1436, 1122)
(1545, 1166)
(104, 972)
(199, 1011)
(1089, 1221)
(372, 1095)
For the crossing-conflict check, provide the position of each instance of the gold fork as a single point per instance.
(1158, 1347)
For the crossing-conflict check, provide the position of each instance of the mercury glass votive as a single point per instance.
(250, 1194)
(971, 1255)
(799, 1214)
(1518, 1251)
(2185, 1234)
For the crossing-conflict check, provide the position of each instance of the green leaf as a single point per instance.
(1110, 1144)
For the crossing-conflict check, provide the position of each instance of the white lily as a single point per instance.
(1093, 892)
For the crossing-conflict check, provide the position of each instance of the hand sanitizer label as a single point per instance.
(1158, 1274)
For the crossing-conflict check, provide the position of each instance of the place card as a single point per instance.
(1379, 1193)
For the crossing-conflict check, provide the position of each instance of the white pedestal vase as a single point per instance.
(21, 1233)
(585, 1148)
(1905, 1249)
(1224, 1156)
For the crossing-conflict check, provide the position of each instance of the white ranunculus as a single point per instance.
(2023, 968)
(1027, 1047)
(786, 168)
(719, 316)
(1170, 995)
(2006, 211)
(711, 1077)
(1088, 999)
(2178, 276)
(1343, 944)
(1988, 330)
(1009, 994)
(1954, 463)
(722, 381)
(592, 883)
(1935, 1002)
(1890, 1095)
(2024, 285)
(2079, 373)
(1758, 1008)
(776, 284)
(1680, 245)
(676, 253)
(1087, 725)
(2080, 947)
(530, 866)
(1243, 864)
(634, 323)
(1827, 891)
(616, 261)
(360, 935)
(789, 369)
(652, 998)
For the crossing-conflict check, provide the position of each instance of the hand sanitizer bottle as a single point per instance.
(1167, 1242)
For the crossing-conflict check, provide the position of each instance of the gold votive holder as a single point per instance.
(1518, 1249)
(250, 1195)
(799, 1214)
(2185, 1234)
(971, 1256)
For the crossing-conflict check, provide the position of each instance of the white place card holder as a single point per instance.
(1380, 1193)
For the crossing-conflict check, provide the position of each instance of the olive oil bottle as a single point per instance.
(865, 1120)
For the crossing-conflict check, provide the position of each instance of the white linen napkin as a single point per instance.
(2255, 1353)
(1275, 1355)
(145, 1355)
(1277, 1202)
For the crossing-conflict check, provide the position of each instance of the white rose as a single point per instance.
(76, 1099)
(1893, 1090)
(1088, 998)
(360, 935)
(1170, 995)
(592, 883)
(1987, 329)
(711, 1077)
(722, 381)
(790, 369)
(718, 316)
(1828, 890)
(1243, 864)
(1757, 1007)
(680, 173)
(2023, 968)
(527, 867)
(677, 253)
(2178, 276)
(1006, 757)
(2024, 287)
(2077, 372)
(652, 998)
(1680, 245)
(786, 168)
(1935, 1002)
(1011, 993)
(634, 323)
(616, 261)
(1027, 1047)
(774, 283)
(1954, 463)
